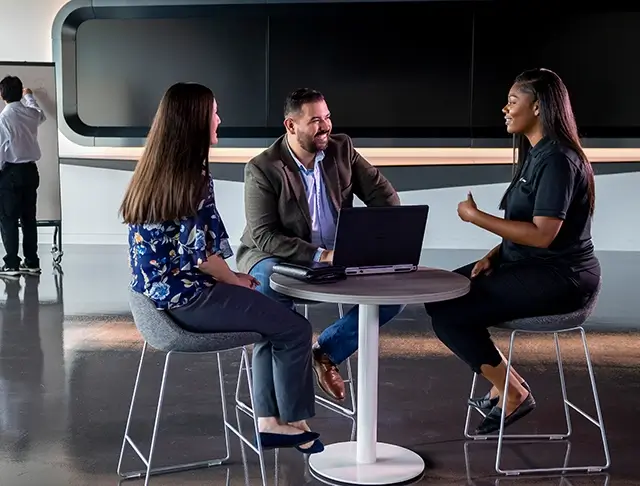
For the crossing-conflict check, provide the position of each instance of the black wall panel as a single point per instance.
(386, 71)
(392, 71)
(590, 51)
(124, 66)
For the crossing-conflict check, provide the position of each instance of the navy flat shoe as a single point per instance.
(269, 440)
(315, 448)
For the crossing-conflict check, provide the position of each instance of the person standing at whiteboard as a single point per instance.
(19, 177)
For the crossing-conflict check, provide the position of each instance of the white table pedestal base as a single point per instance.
(394, 464)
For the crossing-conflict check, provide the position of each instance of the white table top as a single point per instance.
(422, 286)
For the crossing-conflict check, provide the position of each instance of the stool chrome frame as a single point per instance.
(599, 422)
(147, 460)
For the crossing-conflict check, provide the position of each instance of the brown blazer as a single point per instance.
(276, 208)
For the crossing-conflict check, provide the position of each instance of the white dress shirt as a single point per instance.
(19, 122)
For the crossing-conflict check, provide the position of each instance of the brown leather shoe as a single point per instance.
(327, 374)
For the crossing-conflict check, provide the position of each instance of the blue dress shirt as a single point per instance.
(321, 210)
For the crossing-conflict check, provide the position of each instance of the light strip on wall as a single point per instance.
(376, 156)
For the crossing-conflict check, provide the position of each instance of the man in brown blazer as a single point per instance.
(293, 193)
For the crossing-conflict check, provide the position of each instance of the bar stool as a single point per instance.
(162, 333)
(555, 325)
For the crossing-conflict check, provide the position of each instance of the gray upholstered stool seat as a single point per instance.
(162, 333)
(555, 325)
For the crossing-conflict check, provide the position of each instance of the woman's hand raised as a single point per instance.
(467, 209)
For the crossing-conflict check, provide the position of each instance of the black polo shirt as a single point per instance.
(553, 183)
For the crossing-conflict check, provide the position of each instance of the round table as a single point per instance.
(367, 461)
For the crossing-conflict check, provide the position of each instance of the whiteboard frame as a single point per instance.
(56, 246)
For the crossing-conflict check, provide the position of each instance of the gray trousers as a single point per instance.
(282, 372)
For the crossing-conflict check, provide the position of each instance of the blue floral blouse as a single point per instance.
(163, 256)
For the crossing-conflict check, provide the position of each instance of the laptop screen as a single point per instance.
(380, 236)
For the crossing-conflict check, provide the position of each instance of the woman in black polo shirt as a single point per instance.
(545, 263)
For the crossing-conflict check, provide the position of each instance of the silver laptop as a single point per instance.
(378, 240)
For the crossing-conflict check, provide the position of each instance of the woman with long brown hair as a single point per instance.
(177, 250)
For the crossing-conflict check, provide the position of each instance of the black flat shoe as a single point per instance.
(486, 403)
(491, 423)
(269, 440)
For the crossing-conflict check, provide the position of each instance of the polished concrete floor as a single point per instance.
(69, 353)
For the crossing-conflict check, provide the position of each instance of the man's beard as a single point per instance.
(311, 144)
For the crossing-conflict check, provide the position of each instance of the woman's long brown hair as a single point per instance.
(168, 181)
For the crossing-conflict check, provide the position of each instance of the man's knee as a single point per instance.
(264, 268)
(262, 272)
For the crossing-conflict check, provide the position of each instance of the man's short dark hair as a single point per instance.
(300, 97)
(11, 89)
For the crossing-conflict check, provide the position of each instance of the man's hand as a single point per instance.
(26, 91)
(327, 256)
(247, 281)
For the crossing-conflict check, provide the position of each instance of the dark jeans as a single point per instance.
(18, 202)
(340, 339)
(511, 291)
(282, 373)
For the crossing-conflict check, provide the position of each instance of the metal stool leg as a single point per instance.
(563, 386)
(598, 423)
(148, 461)
(248, 409)
(243, 370)
(126, 439)
(328, 403)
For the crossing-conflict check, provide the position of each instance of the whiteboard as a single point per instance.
(40, 77)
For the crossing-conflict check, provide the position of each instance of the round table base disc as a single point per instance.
(394, 465)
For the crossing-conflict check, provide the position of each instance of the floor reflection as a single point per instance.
(66, 379)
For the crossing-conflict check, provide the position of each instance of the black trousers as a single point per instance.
(282, 372)
(510, 291)
(18, 202)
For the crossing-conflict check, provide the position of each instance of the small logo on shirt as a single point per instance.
(523, 180)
